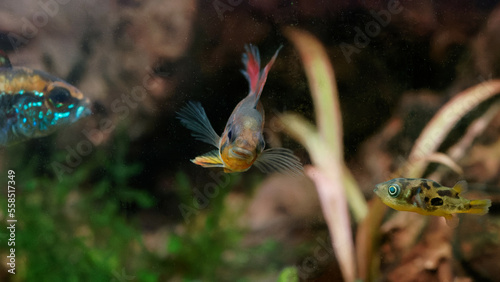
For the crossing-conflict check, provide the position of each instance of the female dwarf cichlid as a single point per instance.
(242, 142)
(428, 197)
(35, 104)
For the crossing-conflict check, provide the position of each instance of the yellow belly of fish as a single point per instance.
(412, 208)
(235, 164)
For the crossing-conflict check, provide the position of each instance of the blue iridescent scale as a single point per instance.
(34, 104)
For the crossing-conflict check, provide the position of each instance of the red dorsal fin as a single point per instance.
(256, 78)
(4, 60)
(251, 60)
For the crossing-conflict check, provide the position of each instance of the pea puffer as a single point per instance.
(427, 197)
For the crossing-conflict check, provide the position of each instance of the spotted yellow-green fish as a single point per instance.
(35, 104)
(242, 142)
(428, 197)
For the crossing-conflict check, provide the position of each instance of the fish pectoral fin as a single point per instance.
(194, 118)
(451, 220)
(210, 159)
(460, 186)
(280, 160)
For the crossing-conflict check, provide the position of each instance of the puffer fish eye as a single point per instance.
(394, 190)
(58, 96)
(230, 135)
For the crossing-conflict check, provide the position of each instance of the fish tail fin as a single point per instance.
(256, 78)
(479, 206)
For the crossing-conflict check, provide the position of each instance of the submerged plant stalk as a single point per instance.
(336, 186)
(441, 124)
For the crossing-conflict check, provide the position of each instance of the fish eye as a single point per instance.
(58, 96)
(230, 134)
(394, 190)
(262, 143)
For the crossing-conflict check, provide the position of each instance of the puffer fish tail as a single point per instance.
(479, 206)
(256, 78)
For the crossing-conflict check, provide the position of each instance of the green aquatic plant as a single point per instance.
(74, 229)
(289, 274)
(208, 244)
(198, 252)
